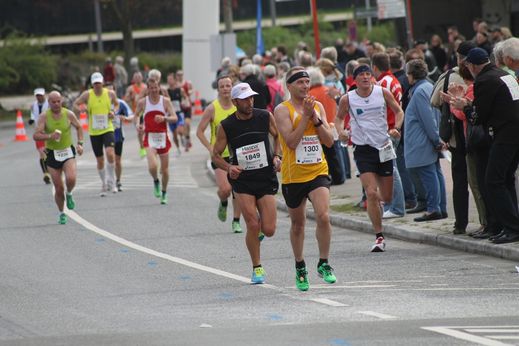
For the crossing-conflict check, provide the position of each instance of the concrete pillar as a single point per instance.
(200, 22)
(496, 13)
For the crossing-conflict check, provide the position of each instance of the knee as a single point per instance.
(371, 194)
(225, 191)
(60, 190)
(323, 217)
(298, 228)
(268, 230)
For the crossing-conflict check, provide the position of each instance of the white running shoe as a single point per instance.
(390, 215)
(103, 191)
(379, 246)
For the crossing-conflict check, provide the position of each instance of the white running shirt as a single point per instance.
(368, 118)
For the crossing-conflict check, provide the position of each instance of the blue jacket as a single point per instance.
(421, 133)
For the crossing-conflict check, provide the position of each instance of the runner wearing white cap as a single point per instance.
(252, 169)
(101, 105)
(39, 106)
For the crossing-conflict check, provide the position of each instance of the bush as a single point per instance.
(24, 65)
(383, 32)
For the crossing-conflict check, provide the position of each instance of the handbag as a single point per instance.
(478, 137)
(446, 119)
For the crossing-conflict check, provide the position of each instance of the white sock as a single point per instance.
(102, 175)
(111, 173)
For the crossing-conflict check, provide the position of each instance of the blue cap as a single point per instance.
(477, 56)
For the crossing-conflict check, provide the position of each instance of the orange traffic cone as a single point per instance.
(21, 136)
(83, 117)
(198, 105)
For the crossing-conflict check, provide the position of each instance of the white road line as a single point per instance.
(329, 302)
(503, 337)
(73, 215)
(377, 314)
(465, 336)
(491, 330)
(328, 286)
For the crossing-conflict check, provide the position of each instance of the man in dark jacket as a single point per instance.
(496, 102)
(249, 74)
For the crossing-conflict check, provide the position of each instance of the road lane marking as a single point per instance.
(329, 302)
(75, 216)
(490, 330)
(377, 314)
(450, 331)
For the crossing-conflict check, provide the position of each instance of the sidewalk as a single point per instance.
(344, 214)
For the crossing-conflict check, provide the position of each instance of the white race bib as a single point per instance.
(176, 105)
(116, 121)
(100, 122)
(62, 155)
(309, 150)
(253, 156)
(387, 152)
(157, 140)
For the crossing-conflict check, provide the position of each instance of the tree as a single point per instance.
(123, 13)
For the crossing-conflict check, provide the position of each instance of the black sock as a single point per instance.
(43, 166)
(155, 181)
(301, 264)
(379, 235)
(163, 193)
(224, 203)
(236, 219)
(321, 261)
(258, 266)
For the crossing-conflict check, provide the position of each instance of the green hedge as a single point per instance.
(25, 66)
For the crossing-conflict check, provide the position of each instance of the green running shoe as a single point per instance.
(258, 275)
(70, 201)
(325, 271)
(302, 279)
(164, 198)
(156, 189)
(62, 219)
(261, 235)
(222, 212)
(236, 228)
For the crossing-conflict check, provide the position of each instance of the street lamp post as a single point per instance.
(97, 11)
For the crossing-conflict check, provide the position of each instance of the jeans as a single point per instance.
(397, 205)
(344, 158)
(433, 182)
(340, 158)
(405, 177)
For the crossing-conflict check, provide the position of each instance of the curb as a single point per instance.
(481, 247)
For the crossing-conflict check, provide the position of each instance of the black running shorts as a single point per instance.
(257, 188)
(368, 161)
(295, 193)
(98, 142)
(51, 161)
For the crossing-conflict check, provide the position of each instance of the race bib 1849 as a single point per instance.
(100, 122)
(253, 156)
(309, 150)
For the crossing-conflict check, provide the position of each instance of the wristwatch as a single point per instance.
(319, 123)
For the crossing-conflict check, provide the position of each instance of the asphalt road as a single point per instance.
(126, 270)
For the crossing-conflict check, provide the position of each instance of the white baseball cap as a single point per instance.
(242, 91)
(96, 78)
(39, 91)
